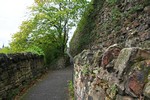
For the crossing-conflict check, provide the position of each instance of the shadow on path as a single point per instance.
(53, 87)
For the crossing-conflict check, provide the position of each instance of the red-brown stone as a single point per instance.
(145, 36)
(111, 53)
(135, 24)
(136, 83)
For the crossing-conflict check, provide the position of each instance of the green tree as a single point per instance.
(48, 27)
(58, 16)
(20, 40)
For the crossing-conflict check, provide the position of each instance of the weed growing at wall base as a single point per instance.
(71, 90)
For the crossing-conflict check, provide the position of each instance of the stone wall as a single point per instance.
(125, 22)
(116, 74)
(18, 70)
(60, 63)
(116, 65)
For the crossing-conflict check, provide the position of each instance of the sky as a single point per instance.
(12, 13)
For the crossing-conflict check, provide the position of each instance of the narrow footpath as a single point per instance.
(53, 87)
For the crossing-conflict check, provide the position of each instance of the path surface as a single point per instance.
(53, 87)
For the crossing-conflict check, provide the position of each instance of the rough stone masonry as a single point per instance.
(18, 70)
(116, 74)
(117, 65)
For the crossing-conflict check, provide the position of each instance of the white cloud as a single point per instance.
(12, 13)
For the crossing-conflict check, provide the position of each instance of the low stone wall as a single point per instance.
(16, 71)
(60, 63)
(116, 74)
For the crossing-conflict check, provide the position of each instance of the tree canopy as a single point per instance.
(46, 31)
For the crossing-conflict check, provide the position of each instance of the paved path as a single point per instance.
(53, 87)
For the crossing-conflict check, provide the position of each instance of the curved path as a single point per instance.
(53, 87)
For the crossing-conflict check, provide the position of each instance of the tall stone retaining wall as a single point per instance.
(116, 63)
(16, 71)
(126, 22)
